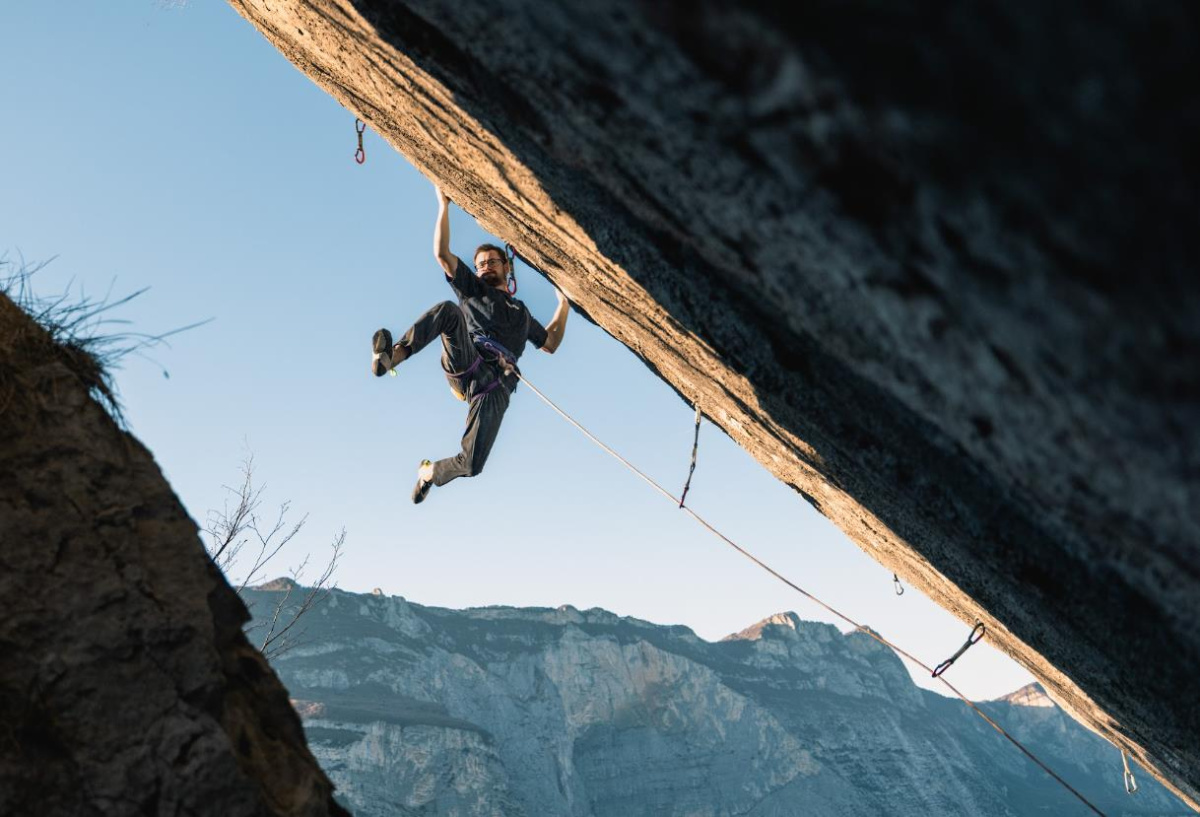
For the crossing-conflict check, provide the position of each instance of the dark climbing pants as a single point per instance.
(447, 321)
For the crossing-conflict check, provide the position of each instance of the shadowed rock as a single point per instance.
(932, 264)
(126, 684)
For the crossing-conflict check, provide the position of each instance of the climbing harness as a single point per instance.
(859, 627)
(360, 155)
(692, 467)
(974, 638)
(511, 252)
(1131, 785)
(896, 583)
(484, 345)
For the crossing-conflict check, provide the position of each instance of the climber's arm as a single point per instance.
(441, 236)
(558, 324)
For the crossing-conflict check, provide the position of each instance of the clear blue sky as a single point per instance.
(169, 145)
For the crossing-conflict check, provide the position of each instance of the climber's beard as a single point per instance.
(492, 279)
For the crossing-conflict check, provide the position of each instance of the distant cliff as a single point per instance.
(537, 712)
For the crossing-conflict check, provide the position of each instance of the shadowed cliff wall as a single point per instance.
(126, 684)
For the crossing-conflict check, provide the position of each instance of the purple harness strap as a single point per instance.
(474, 365)
(488, 389)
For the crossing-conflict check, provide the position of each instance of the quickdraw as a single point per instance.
(977, 633)
(896, 583)
(692, 467)
(1131, 785)
(511, 252)
(360, 155)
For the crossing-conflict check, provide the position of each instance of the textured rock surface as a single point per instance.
(567, 713)
(126, 684)
(932, 264)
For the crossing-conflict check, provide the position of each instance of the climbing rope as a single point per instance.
(360, 155)
(974, 638)
(859, 627)
(692, 467)
(1131, 785)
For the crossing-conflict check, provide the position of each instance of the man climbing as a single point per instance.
(482, 337)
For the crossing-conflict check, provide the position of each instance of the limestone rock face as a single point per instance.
(126, 684)
(567, 713)
(933, 265)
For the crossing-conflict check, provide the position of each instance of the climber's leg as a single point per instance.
(483, 424)
(445, 320)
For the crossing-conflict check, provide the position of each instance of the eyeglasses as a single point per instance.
(489, 262)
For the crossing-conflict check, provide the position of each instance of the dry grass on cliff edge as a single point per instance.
(42, 335)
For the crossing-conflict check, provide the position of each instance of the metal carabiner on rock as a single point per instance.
(360, 155)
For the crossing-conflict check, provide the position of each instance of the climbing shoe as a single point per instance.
(381, 348)
(385, 355)
(424, 482)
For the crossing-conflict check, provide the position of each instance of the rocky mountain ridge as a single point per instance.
(583, 713)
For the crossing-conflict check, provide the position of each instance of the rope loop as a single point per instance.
(360, 155)
(977, 633)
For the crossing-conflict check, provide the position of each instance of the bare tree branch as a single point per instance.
(225, 527)
(270, 543)
(280, 641)
(238, 524)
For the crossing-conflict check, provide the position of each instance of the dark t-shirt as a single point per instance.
(495, 314)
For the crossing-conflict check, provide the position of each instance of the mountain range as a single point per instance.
(534, 712)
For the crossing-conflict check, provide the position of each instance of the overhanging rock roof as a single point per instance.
(932, 265)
